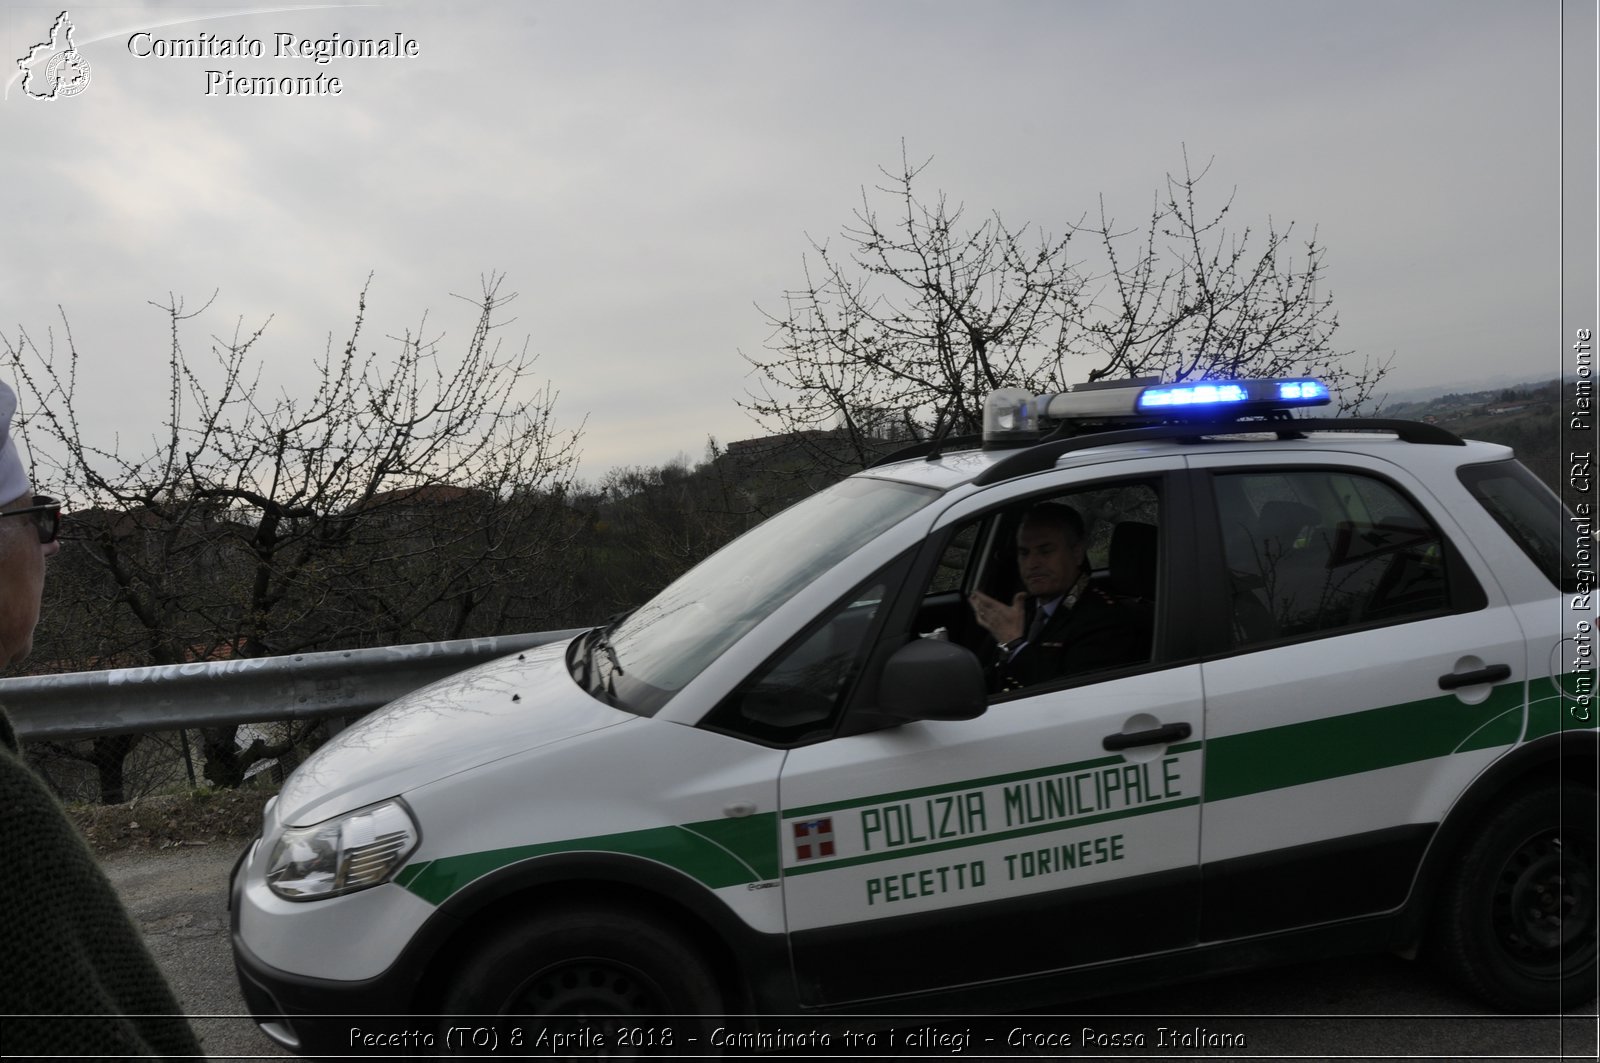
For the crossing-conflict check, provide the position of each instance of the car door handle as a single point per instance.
(1172, 732)
(1490, 674)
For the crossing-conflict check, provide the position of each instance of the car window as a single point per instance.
(796, 696)
(1532, 515)
(955, 560)
(1316, 551)
(1114, 516)
(1120, 521)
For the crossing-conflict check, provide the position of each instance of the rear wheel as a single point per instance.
(1517, 922)
(591, 971)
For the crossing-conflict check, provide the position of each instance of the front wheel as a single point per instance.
(1517, 922)
(588, 971)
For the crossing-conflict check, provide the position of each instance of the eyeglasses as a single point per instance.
(46, 514)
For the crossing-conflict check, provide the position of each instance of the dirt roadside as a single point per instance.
(206, 818)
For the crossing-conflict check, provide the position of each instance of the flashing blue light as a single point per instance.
(1302, 391)
(1192, 395)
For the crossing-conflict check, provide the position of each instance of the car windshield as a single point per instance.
(641, 662)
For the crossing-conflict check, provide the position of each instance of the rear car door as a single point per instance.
(1366, 667)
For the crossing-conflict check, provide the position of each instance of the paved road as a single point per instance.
(179, 898)
(1371, 1007)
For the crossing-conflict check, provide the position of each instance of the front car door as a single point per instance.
(943, 853)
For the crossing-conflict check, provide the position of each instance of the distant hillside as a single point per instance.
(1525, 417)
(1462, 404)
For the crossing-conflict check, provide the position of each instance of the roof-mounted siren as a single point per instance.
(1011, 417)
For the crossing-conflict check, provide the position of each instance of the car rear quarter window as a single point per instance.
(1532, 515)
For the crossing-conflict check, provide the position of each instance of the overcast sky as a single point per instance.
(647, 174)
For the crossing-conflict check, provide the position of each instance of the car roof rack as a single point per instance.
(1043, 454)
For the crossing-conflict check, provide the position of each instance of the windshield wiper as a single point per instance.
(578, 660)
(600, 641)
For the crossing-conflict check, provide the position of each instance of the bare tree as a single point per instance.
(653, 524)
(921, 314)
(1186, 298)
(409, 497)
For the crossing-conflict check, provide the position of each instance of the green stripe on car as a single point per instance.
(1561, 703)
(1299, 753)
(716, 853)
(737, 851)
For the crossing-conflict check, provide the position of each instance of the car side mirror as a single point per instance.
(931, 679)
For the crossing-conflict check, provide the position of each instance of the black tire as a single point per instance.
(1516, 925)
(593, 969)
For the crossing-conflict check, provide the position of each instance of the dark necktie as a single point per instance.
(1040, 618)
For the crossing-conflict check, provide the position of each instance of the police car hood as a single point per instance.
(499, 709)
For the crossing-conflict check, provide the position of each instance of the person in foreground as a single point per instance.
(1060, 626)
(76, 980)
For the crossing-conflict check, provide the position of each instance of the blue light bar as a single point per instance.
(1231, 398)
(1136, 400)
(1303, 392)
(1190, 395)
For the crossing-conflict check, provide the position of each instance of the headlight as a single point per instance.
(351, 852)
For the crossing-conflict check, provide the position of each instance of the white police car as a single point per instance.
(1351, 724)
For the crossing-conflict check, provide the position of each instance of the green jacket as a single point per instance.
(76, 979)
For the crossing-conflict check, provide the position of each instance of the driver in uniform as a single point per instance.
(1059, 625)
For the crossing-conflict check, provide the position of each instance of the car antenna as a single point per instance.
(941, 429)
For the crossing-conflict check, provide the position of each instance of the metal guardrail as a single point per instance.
(301, 686)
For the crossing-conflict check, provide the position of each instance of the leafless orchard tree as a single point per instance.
(410, 497)
(902, 331)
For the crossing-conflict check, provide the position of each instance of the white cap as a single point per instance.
(13, 477)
